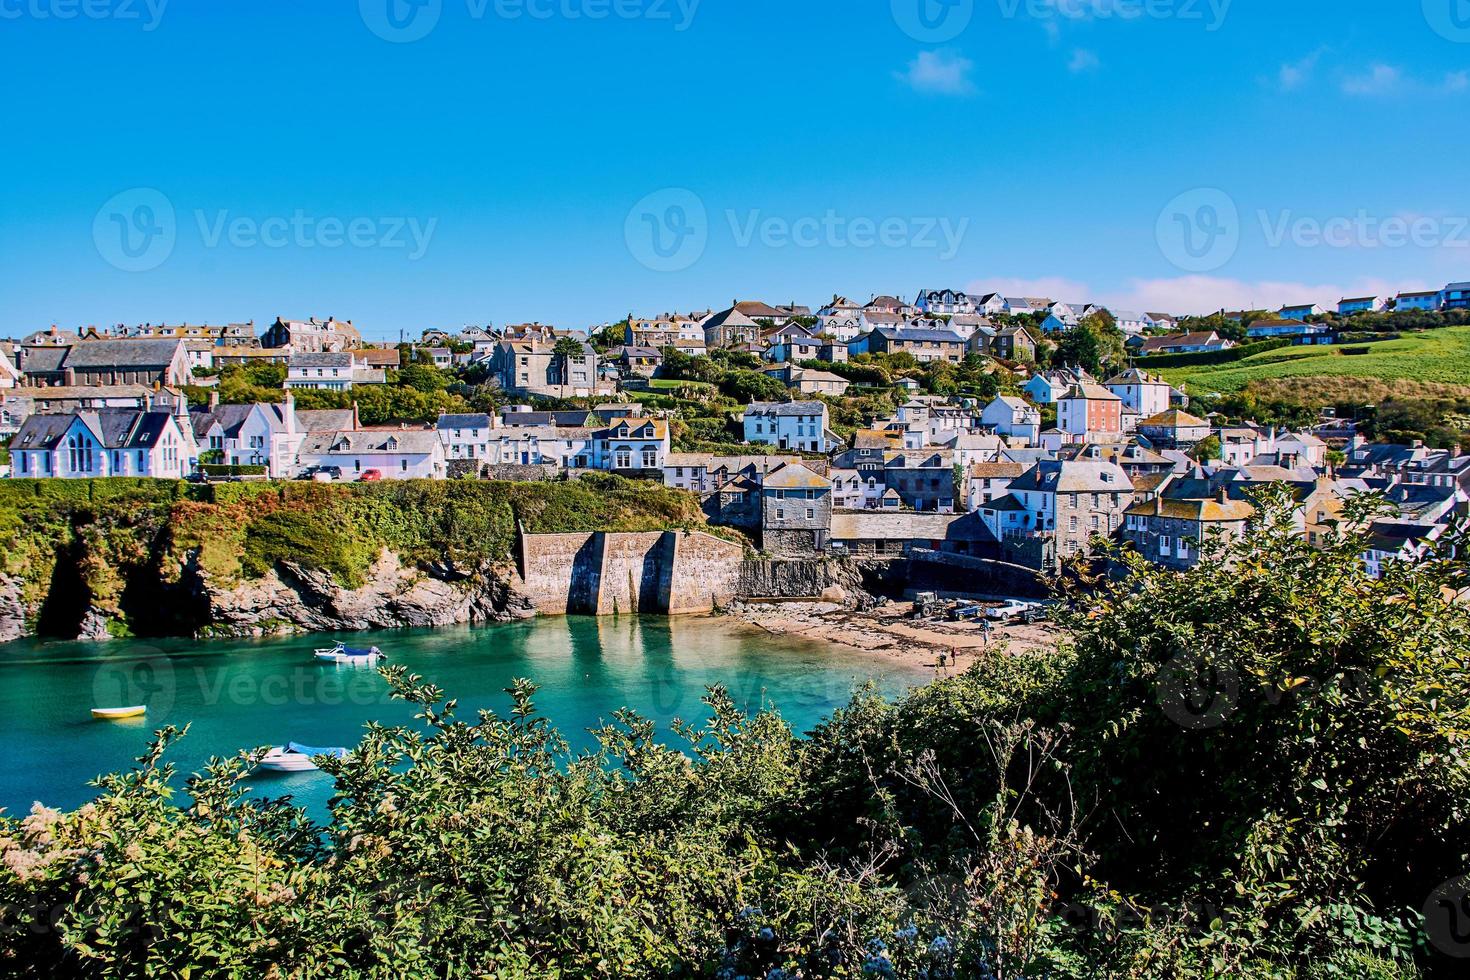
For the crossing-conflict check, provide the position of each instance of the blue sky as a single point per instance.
(215, 161)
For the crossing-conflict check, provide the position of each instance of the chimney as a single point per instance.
(214, 398)
(356, 418)
(1222, 496)
(288, 411)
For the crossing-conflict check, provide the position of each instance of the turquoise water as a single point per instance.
(238, 694)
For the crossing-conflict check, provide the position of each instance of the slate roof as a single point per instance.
(123, 353)
(324, 419)
(115, 428)
(785, 409)
(411, 442)
(463, 422)
(339, 360)
(922, 336)
(1073, 476)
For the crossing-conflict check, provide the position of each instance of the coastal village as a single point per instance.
(954, 426)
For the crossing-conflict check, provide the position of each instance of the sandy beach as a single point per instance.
(889, 631)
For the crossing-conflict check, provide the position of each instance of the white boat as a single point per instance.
(294, 757)
(341, 654)
(117, 714)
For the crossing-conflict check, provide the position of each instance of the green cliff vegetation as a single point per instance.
(1255, 769)
(116, 542)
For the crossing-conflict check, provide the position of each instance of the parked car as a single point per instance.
(371, 476)
(1015, 609)
(322, 474)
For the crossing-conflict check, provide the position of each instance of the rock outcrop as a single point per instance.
(393, 596)
(12, 610)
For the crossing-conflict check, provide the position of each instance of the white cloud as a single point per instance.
(1082, 60)
(1381, 79)
(1384, 79)
(939, 72)
(1182, 295)
(1294, 74)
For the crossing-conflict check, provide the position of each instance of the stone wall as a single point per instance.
(602, 574)
(937, 571)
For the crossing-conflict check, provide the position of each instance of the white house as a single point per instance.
(567, 447)
(1419, 301)
(1130, 322)
(944, 302)
(789, 425)
(266, 435)
(107, 442)
(1142, 392)
(331, 372)
(1300, 312)
(631, 444)
(466, 436)
(1361, 304)
(395, 454)
(1013, 418)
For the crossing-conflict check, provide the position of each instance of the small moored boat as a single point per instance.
(341, 654)
(115, 714)
(294, 757)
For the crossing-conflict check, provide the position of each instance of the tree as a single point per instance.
(1206, 449)
(564, 350)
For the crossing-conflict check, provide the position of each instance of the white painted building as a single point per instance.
(396, 454)
(631, 444)
(1013, 418)
(105, 443)
(466, 436)
(789, 425)
(1142, 392)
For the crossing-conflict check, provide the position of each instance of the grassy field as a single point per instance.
(1435, 357)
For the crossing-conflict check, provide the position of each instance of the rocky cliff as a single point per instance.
(292, 597)
(12, 610)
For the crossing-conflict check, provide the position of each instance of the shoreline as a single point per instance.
(886, 632)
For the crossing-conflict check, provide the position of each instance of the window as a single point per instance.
(811, 513)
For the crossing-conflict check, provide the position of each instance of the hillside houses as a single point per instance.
(801, 429)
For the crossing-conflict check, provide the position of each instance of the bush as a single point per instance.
(232, 469)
